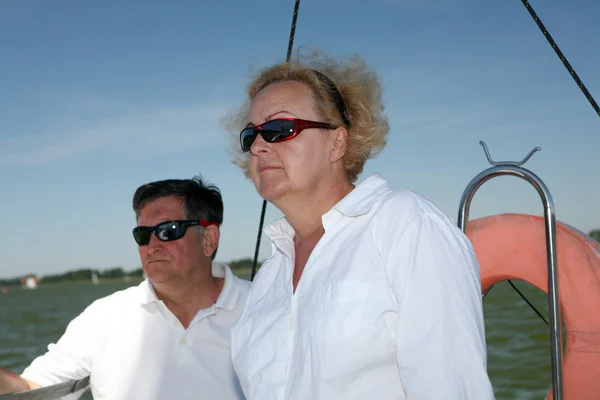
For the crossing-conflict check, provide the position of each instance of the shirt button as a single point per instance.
(183, 341)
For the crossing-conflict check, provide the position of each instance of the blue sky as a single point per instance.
(99, 97)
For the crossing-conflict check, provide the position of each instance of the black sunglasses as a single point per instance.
(166, 231)
(278, 130)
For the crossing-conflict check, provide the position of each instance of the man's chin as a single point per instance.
(156, 272)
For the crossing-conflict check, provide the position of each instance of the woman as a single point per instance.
(369, 292)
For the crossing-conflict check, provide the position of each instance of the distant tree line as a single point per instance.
(85, 274)
(243, 263)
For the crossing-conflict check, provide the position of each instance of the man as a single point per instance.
(167, 338)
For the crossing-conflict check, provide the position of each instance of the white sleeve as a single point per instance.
(440, 337)
(72, 356)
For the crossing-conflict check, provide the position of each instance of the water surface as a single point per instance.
(517, 339)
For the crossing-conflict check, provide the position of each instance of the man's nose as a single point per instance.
(155, 244)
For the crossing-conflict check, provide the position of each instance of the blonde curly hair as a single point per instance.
(361, 92)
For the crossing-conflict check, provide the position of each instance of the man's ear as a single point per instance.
(211, 234)
(339, 144)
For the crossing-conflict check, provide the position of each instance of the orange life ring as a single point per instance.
(513, 246)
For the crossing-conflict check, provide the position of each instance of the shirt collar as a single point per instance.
(358, 202)
(363, 197)
(147, 293)
(227, 300)
(230, 293)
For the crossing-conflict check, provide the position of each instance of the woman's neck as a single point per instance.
(304, 211)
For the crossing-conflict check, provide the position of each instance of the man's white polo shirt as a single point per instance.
(133, 347)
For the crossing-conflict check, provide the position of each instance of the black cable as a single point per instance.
(561, 56)
(264, 205)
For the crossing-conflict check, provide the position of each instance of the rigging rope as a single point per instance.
(539, 314)
(264, 205)
(586, 93)
(561, 56)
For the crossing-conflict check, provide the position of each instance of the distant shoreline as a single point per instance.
(241, 268)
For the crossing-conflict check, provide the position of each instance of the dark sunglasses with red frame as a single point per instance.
(278, 130)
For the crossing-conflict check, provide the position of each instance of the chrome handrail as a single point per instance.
(514, 168)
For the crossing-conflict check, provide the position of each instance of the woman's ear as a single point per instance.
(339, 144)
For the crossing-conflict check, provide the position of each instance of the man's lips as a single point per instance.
(153, 260)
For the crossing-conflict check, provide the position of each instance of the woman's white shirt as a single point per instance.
(388, 307)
